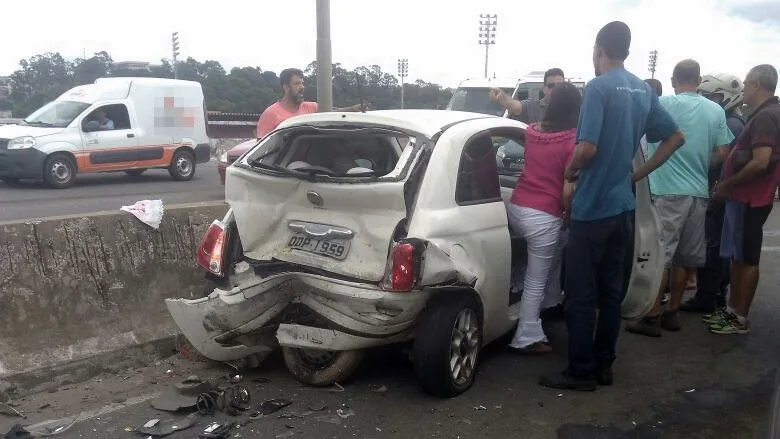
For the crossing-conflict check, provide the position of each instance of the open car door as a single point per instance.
(647, 263)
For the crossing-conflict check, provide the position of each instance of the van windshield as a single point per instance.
(56, 114)
(476, 100)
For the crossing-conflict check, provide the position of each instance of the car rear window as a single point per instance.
(331, 154)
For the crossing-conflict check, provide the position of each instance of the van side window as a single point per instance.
(477, 181)
(107, 118)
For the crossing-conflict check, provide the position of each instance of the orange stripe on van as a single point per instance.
(85, 165)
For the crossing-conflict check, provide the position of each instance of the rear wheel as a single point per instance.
(447, 344)
(59, 171)
(135, 172)
(182, 167)
(317, 367)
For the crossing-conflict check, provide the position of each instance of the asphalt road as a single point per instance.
(689, 384)
(109, 191)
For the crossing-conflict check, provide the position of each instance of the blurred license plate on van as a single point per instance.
(334, 248)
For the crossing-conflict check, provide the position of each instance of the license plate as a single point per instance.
(334, 248)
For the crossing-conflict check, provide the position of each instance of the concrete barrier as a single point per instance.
(76, 291)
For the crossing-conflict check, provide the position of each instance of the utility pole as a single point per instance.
(487, 34)
(403, 72)
(175, 46)
(653, 63)
(324, 58)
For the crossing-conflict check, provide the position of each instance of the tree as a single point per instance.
(243, 89)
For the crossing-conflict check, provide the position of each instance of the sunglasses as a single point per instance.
(551, 85)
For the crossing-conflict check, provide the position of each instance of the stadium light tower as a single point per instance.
(487, 34)
(403, 72)
(175, 47)
(653, 63)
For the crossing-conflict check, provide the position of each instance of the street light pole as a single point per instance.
(487, 34)
(653, 63)
(403, 71)
(324, 58)
(175, 47)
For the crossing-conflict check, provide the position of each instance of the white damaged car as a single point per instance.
(348, 231)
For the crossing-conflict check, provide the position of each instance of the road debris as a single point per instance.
(378, 389)
(7, 409)
(270, 406)
(480, 408)
(317, 407)
(157, 428)
(345, 413)
(150, 212)
(329, 419)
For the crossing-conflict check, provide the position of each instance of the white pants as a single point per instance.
(541, 232)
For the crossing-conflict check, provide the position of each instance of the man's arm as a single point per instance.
(662, 154)
(759, 162)
(352, 108)
(762, 137)
(512, 105)
(588, 131)
(660, 127)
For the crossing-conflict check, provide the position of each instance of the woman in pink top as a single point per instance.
(540, 204)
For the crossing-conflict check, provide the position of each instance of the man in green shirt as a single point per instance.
(680, 190)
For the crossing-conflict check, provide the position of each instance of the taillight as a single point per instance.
(401, 271)
(212, 246)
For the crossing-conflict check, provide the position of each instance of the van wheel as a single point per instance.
(317, 367)
(447, 344)
(182, 166)
(135, 172)
(59, 171)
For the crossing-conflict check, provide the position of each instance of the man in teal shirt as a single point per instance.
(680, 188)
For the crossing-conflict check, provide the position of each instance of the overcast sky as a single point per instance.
(439, 37)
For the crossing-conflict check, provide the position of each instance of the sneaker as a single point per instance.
(566, 381)
(605, 377)
(697, 305)
(718, 316)
(670, 320)
(731, 325)
(649, 326)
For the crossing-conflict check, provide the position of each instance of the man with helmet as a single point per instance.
(713, 279)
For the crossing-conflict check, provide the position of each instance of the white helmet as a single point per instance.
(729, 87)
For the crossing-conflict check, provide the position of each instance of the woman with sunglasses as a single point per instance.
(540, 205)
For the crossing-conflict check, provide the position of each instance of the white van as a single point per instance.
(115, 124)
(473, 95)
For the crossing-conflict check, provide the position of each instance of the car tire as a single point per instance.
(135, 172)
(59, 171)
(456, 319)
(182, 167)
(319, 367)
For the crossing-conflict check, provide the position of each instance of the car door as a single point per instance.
(460, 209)
(112, 149)
(647, 263)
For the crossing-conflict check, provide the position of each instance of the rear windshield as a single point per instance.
(334, 154)
(476, 100)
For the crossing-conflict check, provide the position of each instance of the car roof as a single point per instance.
(426, 122)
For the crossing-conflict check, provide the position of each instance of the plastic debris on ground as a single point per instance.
(157, 428)
(345, 413)
(53, 427)
(217, 431)
(270, 406)
(150, 212)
